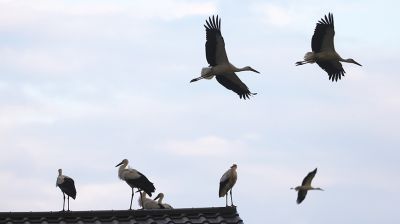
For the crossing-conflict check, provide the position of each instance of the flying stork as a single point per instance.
(160, 197)
(323, 50)
(67, 186)
(220, 67)
(134, 179)
(227, 182)
(305, 186)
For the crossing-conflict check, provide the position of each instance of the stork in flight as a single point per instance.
(134, 179)
(305, 186)
(323, 50)
(220, 67)
(67, 186)
(227, 182)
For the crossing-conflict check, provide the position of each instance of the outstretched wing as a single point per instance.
(307, 180)
(301, 195)
(232, 82)
(215, 45)
(333, 68)
(324, 32)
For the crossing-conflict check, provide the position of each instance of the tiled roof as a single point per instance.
(220, 215)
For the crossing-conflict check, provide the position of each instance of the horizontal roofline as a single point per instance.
(108, 213)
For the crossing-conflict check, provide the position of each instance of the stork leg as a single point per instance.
(231, 198)
(226, 200)
(63, 202)
(68, 203)
(130, 207)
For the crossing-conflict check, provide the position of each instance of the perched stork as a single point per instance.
(148, 203)
(227, 182)
(323, 50)
(67, 186)
(305, 186)
(220, 67)
(134, 179)
(160, 197)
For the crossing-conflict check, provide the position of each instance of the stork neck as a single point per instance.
(121, 170)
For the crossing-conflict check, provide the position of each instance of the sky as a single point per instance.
(85, 84)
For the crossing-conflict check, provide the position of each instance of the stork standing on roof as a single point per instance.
(134, 179)
(305, 186)
(227, 182)
(67, 186)
(160, 197)
(323, 50)
(220, 67)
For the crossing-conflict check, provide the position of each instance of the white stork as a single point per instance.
(67, 186)
(220, 67)
(160, 197)
(148, 203)
(134, 179)
(305, 186)
(323, 50)
(227, 182)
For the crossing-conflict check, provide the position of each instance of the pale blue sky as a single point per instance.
(85, 84)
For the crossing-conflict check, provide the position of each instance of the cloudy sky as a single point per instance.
(85, 84)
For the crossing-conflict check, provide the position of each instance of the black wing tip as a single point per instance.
(326, 20)
(337, 76)
(213, 23)
(246, 96)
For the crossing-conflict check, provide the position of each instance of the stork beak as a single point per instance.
(158, 196)
(119, 164)
(253, 70)
(357, 63)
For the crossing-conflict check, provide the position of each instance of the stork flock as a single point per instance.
(323, 53)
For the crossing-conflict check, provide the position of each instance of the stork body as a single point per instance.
(227, 182)
(305, 186)
(148, 203)
(134, 179)
(220, 67)
(323, 50)
(160, 197)
(67, 186)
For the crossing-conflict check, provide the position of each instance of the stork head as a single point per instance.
(318, 189)
(350, 60)
(125, 162)
(234, 166)
(160, 195)
(248, 68)
(59, 171)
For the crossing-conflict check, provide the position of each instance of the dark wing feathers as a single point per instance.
(142, 183)
(324, 31)
(68, 187)
(232, 82)
(215, 44)
(333, 68)
(222, 186)
(301, 195)
(307, 180)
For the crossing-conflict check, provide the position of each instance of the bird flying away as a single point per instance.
(323, 50)
(305, 186)
(220, 67)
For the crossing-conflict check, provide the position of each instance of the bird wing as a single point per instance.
(68, 187)
(215, 45)
(324, 32)
(141, 183)
(301, 195)
(130, 174)
(307, 180)
(333, 68)
(232, 82)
